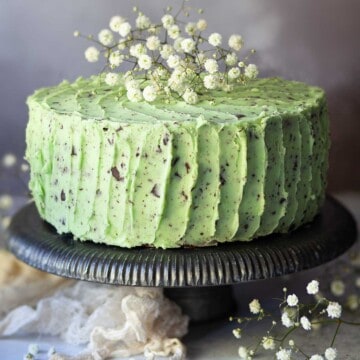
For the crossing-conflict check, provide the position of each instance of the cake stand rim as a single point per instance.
(224, 264)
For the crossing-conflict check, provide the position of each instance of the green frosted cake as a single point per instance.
(233, 167)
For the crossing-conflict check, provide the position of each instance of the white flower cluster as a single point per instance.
(170, 58)
(294, 316)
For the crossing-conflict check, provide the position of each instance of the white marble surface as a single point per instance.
(214, 341)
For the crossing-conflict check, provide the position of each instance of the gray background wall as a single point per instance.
(316, 41)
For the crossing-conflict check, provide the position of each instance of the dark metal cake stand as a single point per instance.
(197, 279)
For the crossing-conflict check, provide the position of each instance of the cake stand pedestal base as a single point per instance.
(195, 278)
(204, 303)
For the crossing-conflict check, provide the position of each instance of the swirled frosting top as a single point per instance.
(93, 99)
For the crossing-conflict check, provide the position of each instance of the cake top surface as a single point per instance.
(92, 99)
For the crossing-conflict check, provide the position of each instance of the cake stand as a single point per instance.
(198, 279)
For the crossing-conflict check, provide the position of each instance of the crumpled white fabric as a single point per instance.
(115, 321)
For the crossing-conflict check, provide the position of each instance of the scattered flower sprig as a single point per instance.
(170, 59)
(294, 316)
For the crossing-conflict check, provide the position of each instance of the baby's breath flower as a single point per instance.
(24, 167)
(177, 44)
(132, 84)
(211, 81)
(215, 39)
(134, 94)
(167, 21)
(236, 42)
(243, 352)
(92, 54)
(124, 29)
(330, 353)
(255, 306)
(201, 25)
(112, 79)
(241, 64)
(268, 343)
(352, 302)
(286, 321)
(190, 28)
(190, 96)
(251, 71)
(76, 33)
(144, 62)
(337, 287)
(231, 59)
(6, 202)
(29, 356)
(153, 42)
(188, 45)
(237, 333)
(173, 61)
(292, 300)
(334, 310)
(291, 343)
(313, 287)
(234, 73)
(106, 37)
(142, 21)
(211, 66)
(283, 354)
(5, 222)
(9, 160)
(174, 32)
(115, 23)
(166, 51)
(305, 323)
(115, 58)
(149, 93)
(33, 349)
(316, 357)
(137, 50)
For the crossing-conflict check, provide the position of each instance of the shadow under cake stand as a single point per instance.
(198, 279)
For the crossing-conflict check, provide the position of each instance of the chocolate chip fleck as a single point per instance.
(187, 166)
(115, 173)
(184, 195)
(155, 191)
(62, 195)
(166, 139)
(175, 160)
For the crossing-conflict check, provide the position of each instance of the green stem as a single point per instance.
(336, 332)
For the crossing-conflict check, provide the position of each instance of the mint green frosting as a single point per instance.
(235, 166)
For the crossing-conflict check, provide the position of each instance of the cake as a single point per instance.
(235, 166)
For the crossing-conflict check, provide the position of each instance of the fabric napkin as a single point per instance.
(112, 321)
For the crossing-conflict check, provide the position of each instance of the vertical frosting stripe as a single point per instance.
(292, 143)
(58, 209)
(253, 202)
(75, 170)
(119, 179)
(88, 182)
(233, 167)
(182, 178)
(275, 194)
(206, 193)
(150, 184)
(34, 154)
(99, 219)
(304, 186)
